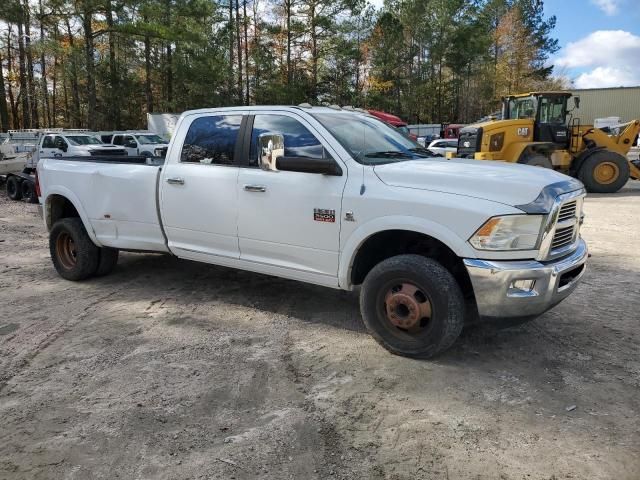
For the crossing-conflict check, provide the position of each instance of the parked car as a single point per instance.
(139, 143)
(74, 144)
(451, 130)
(443, 146)
(394, 121)
(334, 198)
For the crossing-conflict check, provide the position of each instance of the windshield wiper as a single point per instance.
(390, 153)
(424, 151)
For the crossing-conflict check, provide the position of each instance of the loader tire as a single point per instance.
(75, 257)
(536, 160)
(604, 172)
(14, 188)
(412, 306)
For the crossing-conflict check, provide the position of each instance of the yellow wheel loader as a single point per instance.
(538, 129)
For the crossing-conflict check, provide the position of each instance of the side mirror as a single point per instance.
(576, 102)
(270, 148)
(131, 144)
(325, 166)
(62, 146)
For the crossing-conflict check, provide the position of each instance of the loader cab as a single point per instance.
(547, 111)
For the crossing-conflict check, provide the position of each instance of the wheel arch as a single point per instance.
(385, 237)
(62, 203)
(579, 159)
(541, 148)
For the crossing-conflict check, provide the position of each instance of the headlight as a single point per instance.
(511, 232)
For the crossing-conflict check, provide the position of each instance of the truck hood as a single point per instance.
(507, 183)
(100, 147)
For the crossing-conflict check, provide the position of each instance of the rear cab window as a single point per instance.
(212, 140)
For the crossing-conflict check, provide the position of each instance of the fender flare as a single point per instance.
(400, 222)
(69, 195)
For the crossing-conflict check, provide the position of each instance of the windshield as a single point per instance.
(371, 141)
(82, 140)
(149, 139)
(403, 129)
(553, 110)
(520, 108)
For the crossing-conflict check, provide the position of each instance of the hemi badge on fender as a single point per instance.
(322, 215)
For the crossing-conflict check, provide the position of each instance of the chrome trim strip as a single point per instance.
(545, 201)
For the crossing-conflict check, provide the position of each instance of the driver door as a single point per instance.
(289, 219)
(131, 145)
(48, 149)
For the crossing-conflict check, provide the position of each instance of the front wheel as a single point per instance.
(412, 306)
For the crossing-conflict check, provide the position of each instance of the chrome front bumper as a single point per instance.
(525, 288)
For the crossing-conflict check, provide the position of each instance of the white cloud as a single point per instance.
(609, 7)
(609, 56)
(601, 77)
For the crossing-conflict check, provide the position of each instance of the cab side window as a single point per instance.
(60, 142)
(48, 142)
(117, 140)
(129, 140)
(212, 140)
(298, 140)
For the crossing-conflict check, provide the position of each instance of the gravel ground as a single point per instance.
(173, 369)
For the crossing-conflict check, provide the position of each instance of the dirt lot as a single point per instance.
(172, 369)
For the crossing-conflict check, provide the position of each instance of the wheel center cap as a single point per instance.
(403, 310)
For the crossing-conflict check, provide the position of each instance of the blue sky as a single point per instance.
(600, 41)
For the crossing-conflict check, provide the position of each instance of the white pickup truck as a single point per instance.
(73, 144)
(335, 198)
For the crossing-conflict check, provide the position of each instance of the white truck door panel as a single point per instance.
(199, 199)
(289, 219)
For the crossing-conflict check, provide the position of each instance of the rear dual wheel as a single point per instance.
(412, 306)
(14, 188)
(74, 255)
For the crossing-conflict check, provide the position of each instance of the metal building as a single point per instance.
(623, 102)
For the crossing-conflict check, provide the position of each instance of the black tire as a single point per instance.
(14, 188)
(108, 261)
(536, 160)
(77, 260)
(608, 162)
(29, 191)
(434, 284)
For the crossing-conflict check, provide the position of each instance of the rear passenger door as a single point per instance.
(199, 198)
(290, 219)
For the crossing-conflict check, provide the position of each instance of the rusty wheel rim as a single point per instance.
(606, 173)
(407, 307)
(66, 251)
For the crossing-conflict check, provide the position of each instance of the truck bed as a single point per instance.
(118, 196)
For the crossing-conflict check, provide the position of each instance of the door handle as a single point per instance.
(175, 181)
(255, 188)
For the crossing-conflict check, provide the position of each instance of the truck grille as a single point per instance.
(567, 227)
(107, 151)
(567, 211)
(469, 142)
(563, 237)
